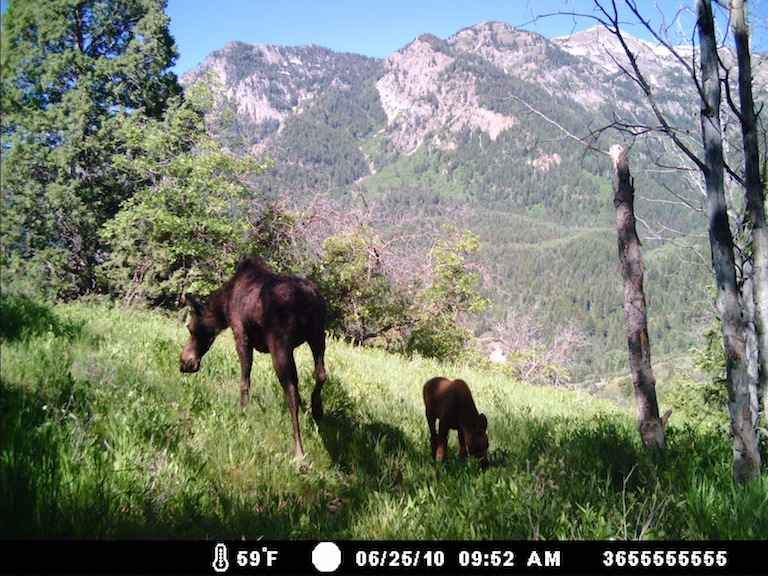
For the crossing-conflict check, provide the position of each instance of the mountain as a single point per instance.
(340, 118)
(477, 122)
(269, 85)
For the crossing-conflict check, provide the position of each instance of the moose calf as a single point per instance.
(450, 401)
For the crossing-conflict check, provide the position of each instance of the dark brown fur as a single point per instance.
(450, 401)
(268, 312)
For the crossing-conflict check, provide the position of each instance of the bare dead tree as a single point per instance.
(730, 262)
(651, 426)
(532, 356)
(735, 313)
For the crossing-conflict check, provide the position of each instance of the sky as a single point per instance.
(375, 28)
(379, 28)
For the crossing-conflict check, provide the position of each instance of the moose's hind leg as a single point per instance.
(441, 442)
(433, 441)
(245, 353)
(318, 352)
(285, 367)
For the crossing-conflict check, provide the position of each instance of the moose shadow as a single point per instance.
(362, 446)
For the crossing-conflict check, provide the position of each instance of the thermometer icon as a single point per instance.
(220, 558)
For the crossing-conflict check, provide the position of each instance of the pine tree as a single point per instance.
(75, 76)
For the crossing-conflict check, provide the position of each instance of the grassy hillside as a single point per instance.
(104, 438)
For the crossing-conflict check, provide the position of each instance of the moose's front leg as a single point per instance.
(245, 353)
(441, 442)
(462, 445)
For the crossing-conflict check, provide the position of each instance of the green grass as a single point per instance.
(102, 437)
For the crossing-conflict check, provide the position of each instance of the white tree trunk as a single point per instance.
(754, 192)
(742, 385)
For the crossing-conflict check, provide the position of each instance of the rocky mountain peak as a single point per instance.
(604, 49)
(498, 42)
(269, 84)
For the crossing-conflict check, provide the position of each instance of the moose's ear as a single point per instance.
(194, 304)
(482, 422)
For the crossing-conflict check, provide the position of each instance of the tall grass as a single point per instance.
(102, 437)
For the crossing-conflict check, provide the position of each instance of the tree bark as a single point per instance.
(630, 257)
(755, 191)
(742, 386)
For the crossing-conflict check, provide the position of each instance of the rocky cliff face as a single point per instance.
(422, 93)
(270, 84)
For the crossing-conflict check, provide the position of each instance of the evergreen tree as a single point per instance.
(76, 74)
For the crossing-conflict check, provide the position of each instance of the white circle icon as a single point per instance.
(326, 557)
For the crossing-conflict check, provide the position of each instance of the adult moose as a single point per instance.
(271, 313)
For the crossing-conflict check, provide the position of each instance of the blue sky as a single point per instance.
(378, 27)
(374, 28)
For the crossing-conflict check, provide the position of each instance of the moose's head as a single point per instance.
(476, 438)
(202, 332)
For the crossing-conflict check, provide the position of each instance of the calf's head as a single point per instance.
(202, 333)
(476, 438)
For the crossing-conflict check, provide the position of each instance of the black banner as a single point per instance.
(385, 557)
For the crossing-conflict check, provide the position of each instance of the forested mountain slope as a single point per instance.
(472, 129)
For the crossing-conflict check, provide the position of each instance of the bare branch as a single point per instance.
(557, 125)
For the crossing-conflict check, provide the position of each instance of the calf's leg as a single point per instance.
(441, 442)
(462, 445)
(432, 434)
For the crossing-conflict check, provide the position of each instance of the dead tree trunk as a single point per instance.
(630, 257)
(742, 384)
